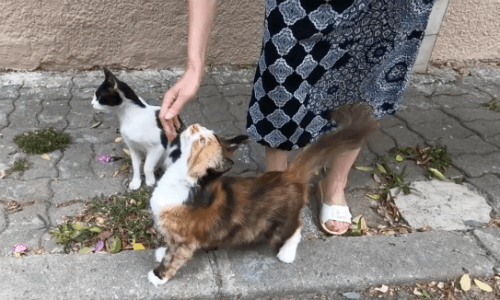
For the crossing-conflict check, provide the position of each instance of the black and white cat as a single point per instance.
(139, 127)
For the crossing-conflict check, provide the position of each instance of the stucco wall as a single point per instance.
(70, 34)
(64, 34)
(470, 31)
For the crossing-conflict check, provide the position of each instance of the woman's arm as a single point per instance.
(200, 16)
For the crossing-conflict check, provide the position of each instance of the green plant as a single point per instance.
(75, 232)
(41, 141)
(20, 165)
(493, 104)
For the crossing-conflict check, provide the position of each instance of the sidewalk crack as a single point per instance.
(216, 271)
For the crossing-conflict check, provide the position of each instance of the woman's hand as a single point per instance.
(176, 97)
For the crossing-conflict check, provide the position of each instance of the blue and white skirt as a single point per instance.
(321, 54)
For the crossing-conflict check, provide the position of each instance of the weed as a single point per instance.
(20, 165)
(493, 105)
(435, 157)
(124, 217)
(41, 141)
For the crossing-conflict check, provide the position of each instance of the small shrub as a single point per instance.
(20, 165)
(41, 141)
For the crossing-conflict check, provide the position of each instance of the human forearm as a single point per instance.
(201, 14)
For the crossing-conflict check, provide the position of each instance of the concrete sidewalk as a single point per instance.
(443, 107)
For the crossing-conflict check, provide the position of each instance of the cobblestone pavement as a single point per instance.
(443, 107)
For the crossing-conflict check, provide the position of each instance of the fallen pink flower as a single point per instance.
(104, 158)
(100, 245)
(20, 248)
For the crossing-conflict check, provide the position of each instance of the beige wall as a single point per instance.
(470, 32)
(65, 34)
(70, 34)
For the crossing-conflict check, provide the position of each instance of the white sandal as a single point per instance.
(337, 213)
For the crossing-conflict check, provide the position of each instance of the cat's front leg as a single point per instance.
(136, 169)
(175, 257)
(152, 158)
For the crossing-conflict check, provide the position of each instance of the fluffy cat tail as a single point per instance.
(355, 123)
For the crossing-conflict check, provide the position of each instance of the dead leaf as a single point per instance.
(399, 158)
(116, 173)
(45, 156)
(424, 228)
(381, 168)
(3, 174)
(85, 250)
(104, 234)
(483, 286)
(95, 125)
(437, 174)
(118, 139)
(374, 197)
(364, 168)
(465, 282)
(376, 178)
(417, 292)
(138, 247)
(126, 151)
(382, 289)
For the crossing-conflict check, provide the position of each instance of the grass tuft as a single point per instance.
(41, 141)
(493, 104)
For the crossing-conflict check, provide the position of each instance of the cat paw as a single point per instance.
(160, 254)
(155, 280)
(150, 182)
(287, 255)
(134, 185)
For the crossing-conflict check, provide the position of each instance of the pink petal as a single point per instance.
(99, 246)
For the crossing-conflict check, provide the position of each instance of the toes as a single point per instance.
(337, 226)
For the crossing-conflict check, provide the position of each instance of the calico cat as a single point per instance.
(139, 127)
(194, 206)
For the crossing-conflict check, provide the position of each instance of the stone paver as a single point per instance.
(25, 191)
(85, 189)
(490, 238)
(443, 206)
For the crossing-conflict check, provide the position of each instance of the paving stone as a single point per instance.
(108, 120)
(107, 171)
(443, 206)
(3, 219)
(225, 75)
(24, 191)
(192, 113)
(494, 140)
(5, 109)
(49, 243)
(84, 94)
(88, 79)
(93, 136)
(39, 93)
(469, 145)
(485, 128)
(490, 238)
(390, 121)
(25, 114)
(54, 114)
(84, 189)
(236, 89)
(467, 101)
(453, 89)
(403, 136)
(416, 99)
(208, 91)
(380, 143)
(491, 89)
(243, 162)
(25, 227)
(56, 213)
(81, 115)
(474, 165)
(238, 106)
(216, 110)
(224, 128)
(412, 170)
(490, 184)
(49, 80)
(75, 162)
(41, 168)
(145, 78)
(472, 114)
(9, 93)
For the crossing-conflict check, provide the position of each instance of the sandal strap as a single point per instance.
(338, 213)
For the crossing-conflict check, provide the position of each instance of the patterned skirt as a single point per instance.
(321, 54)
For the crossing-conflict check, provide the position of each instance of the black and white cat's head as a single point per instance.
(113, 93)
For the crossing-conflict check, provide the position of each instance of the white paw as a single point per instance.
(160, 254)
(155, 280)
(150, 181)
(134, 185)
(287, 255)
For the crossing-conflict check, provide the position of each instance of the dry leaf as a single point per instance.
(465, 282)
(440, 285)
(126, 151)
(382, 289)
(96, 125)
(45, 156)
(138, 247)
(416, 292)
(3, 174)
(399, 158)
(380, 168)
(364, 169)
(118, 139)
(438, 174)
(483, 286)
(116, 173)
(376, 178)
(374, 197)
(85, 250)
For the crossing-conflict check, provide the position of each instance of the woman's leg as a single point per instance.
(276, 159)
(335, 183)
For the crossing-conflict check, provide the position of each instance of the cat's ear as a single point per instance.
(109, 77)
(232, 144)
